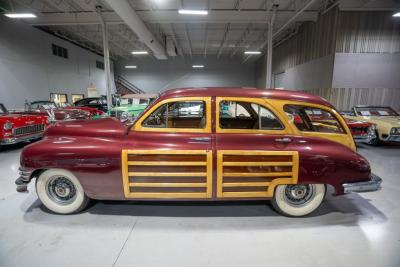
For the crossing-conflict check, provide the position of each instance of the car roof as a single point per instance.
(245, 92)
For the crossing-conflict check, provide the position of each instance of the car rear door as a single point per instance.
(255, 150)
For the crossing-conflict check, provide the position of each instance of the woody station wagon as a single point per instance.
(202, 144)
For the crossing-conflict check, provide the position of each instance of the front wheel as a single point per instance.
(61, 192)
(375, 141)
(298, 199)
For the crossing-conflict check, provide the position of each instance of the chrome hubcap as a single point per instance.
(299, 195)
(61, 190)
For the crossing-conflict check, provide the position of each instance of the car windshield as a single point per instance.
(3, 109)
(43, 104)
(376, 111)
(63, 105)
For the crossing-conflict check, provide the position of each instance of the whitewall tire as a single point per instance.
(61, 192)
(299, 199)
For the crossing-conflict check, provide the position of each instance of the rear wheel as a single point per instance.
(61, 192)
(298, 199)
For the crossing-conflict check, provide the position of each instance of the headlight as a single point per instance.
(7, 126)
(395, 130)
(125, 116)
(372, 128)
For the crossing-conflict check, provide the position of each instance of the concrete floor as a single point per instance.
(352, 230)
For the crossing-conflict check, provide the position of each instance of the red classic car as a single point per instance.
(241, 143)
(362, 132)
(94, 112)
(16, 128)
(54, 113)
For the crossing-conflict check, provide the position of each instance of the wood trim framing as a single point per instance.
(207, 129)
(276, 178)
(130, 186)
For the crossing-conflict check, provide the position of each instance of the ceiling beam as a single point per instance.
(136, 24)
(170, 17)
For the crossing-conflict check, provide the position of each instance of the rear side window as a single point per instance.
(247, 115)
(311, 119)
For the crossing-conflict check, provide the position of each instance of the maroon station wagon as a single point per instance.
(202, 144)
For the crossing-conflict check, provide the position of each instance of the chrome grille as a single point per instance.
(31, 129)
(359, 129)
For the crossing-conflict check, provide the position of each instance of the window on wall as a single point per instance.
(311, 119)
(247, 115)
(180, 114)
(59, 51)
(59, 98)
(99, 65)
(76, 97)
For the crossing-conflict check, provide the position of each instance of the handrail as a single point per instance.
(121, 81)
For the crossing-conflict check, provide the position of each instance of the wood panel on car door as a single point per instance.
(253, 168)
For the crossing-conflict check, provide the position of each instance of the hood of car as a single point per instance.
(394, 121)
(130, 107)
(19, 120)
(107, 127)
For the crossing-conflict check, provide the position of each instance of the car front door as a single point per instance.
(169, 151)
(255, 149)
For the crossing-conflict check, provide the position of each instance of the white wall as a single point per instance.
(29, 70)
(153, 75)
(313, 74)
(366, 70)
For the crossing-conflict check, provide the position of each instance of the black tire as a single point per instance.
(375, 141)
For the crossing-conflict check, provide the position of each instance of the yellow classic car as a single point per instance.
(387, 122)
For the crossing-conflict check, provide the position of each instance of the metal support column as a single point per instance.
(268, 76)
(106, 54)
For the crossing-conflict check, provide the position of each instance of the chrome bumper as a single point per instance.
(362, 138)
(392, 138)
(15, 140)
(374, 184)
(23, 180)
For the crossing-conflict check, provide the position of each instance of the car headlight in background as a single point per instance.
(7, 126)
(395, 130)
(125, 116)
(372, 129)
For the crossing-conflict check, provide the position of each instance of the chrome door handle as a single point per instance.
(283, 140)
(201, 139)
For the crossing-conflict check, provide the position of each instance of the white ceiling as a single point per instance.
(231, 27)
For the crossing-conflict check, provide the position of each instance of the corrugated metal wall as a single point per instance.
(368, 32)
(344, 32)
(313, 40)
(346, 98)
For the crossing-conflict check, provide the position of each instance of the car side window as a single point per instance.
(179, 114)
(247, 115)
(312, 119)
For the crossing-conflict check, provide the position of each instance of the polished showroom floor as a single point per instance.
(352, 230)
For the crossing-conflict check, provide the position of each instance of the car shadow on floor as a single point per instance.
(11, 148)
(346, 210)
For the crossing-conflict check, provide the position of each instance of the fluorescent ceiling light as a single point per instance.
(198, 66)
(192, 12)
(20, 15)
(252, 52)
(140, 53)
(131, 67)
(396, 14)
